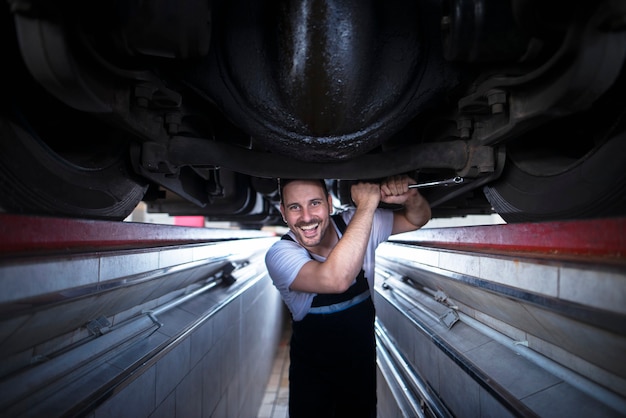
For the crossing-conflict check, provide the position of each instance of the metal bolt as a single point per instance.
(465, 126)
(496, 100)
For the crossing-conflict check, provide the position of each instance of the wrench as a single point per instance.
(453, 180)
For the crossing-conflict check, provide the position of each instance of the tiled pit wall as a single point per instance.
(448, 379)
(542, 387)
(220, 370)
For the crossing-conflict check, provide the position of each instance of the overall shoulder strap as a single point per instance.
(340, 222)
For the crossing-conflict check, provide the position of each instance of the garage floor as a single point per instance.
(276, 400)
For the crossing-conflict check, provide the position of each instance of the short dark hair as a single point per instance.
(282, 182)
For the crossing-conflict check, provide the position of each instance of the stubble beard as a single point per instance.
(315, 240)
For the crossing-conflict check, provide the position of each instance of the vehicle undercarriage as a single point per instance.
(196, 107)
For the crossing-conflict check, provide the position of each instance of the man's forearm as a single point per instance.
(417, 211)
(346, 259)
(414, 214)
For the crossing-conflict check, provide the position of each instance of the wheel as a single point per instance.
(93, 183)
(580, 175)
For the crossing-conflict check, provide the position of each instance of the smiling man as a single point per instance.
(324, 270)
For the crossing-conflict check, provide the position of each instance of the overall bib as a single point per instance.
(333, 355)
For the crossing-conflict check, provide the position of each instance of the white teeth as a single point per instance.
(308, 227)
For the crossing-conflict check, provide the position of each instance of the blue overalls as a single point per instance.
(333, 355)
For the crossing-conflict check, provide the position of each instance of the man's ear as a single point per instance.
(330, 204)
(282, 212)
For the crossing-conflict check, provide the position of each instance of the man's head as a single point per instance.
(306, 207)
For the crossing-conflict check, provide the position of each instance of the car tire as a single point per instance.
(36, 180)
(594, 186)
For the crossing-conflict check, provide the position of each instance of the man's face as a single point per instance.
(306, 208)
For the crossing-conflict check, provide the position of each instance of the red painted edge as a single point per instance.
(597, 237)
(29, 234)
(32, 234)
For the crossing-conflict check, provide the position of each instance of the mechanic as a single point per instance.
(324, 270)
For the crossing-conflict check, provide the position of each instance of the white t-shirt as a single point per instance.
(285, 258)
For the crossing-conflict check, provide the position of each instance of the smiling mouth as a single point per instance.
(309, 228)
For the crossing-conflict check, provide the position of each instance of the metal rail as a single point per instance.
(408, 387)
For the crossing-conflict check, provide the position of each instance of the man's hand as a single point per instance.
(416, 210)
(395, 189)
(365, 195)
